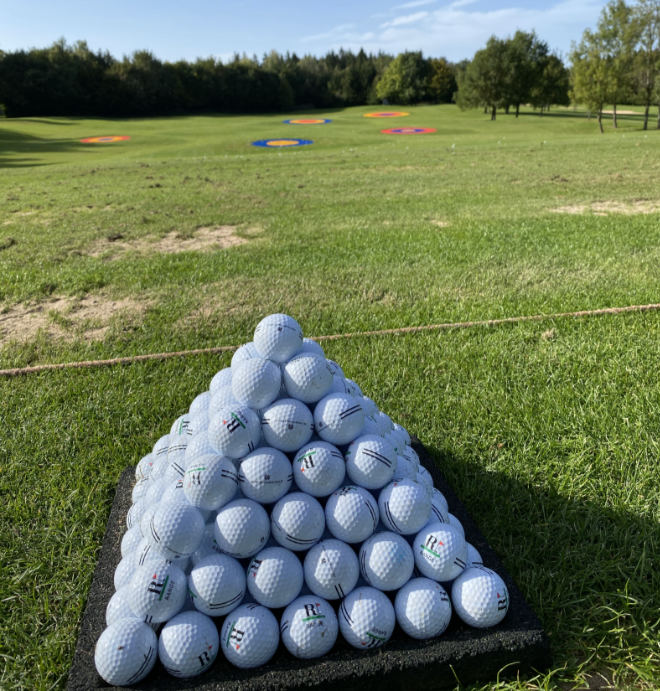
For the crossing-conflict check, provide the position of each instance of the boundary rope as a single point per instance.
(14, 372)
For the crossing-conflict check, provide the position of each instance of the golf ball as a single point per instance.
(422, 608)
(274, 577)
(256, 382)
(234, 431)
(297, 521)
(309, 627)
(241, 528)
(351, 514)
(366, 618)
(370, 461)
(278, 337)
(157, 591)
(480, 597)
(307, 377)
(125, 652)
(386, 561)
(331, 569)
(404, 506)
(250, 636)
(440, 551)
(210, 482)
(216, 584)
(265, 475)
(338, 418)
(176, 529)
(319, 468)
(220, 378)
(287, 424)
(188, 644)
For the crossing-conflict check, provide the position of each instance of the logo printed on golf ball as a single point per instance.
(281, 143)
(409, 130)
(105, 140)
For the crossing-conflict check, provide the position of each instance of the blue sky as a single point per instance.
(202, 28)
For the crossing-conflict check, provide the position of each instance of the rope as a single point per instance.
(330, 337)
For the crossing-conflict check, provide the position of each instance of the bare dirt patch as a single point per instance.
(604, 208)
(68, 318)
(439, 223)
(204, 239)
(621, 112)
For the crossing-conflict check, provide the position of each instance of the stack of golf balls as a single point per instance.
(284, 505)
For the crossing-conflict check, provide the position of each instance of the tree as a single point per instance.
(484, 81)
(551, 86)
(442, 84)
(405, 80)
(646, 22)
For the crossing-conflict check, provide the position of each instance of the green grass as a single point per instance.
(547, 431)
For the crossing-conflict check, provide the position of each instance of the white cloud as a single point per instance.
(406, 19)
(418, 3)
(457, 31)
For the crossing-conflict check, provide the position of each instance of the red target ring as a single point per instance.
(105, 139)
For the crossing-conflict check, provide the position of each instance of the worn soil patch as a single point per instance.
(604, 208)
(204, 239)
(68, 318)
(622, 112)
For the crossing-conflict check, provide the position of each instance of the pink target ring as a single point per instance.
(409, 130)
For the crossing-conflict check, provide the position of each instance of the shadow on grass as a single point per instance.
(13, 144)
(584, 567)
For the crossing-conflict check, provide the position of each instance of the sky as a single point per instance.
(174, 30)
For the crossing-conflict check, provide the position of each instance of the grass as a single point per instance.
(547, 431)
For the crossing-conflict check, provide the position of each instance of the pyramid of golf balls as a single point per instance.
(284, 505)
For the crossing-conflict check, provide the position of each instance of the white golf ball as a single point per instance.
(208, 545)
(440, 551)
(241, 528)
(422, 608)
(287, 424)
(297, 521)
(338, 418)
(217, 584)
(265, 475)
(309, 627)
(188, 644)
(199, 445)
(307, 377)
(480, 597)
(143, 468)
(309, 345)
(331, 569)
(404, 469)
(124, 571)
(386, 561)
(456, 523)
(439, 506)
(405, 506)
(278, 337)
(130, 540)
(319, 468)
(200, 403)
(369, 406)
(473, 556)
(139, 488)
(370, 461)
(366, 618)
(256, 382)
(161, 446)
(244, 352)
(125, 652)
(220, 378)
(234, 431)
(176, 529)
(221, 398)
(157, 591)
(210, 482)
(250, 636)
(136, 512)
(403, 431)
(118, 607)
(351, 514)
(274, 577)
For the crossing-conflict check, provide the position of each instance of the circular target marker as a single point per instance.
(281, 143)
(387, 114)
(409, 130)
(307, 121)
(105, 140)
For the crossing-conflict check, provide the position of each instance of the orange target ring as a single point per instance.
(409, 130)
(307, 121)
(105, 140)
(387, 114)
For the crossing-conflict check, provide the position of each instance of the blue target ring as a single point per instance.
(282, 143)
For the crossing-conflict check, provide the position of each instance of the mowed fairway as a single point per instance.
(548, 431)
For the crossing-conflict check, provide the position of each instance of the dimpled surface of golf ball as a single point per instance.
(338, 418)
(331, 569)
(278, 337)
(118, 607)
(319, 468)
(125, 652)
(307, 377)
(234, 431)
(250, 636)
(366, 618)
(351, 514)
(241, 528)
(386, 561)
(370, 461)
(123, 571)
(188, 644)
(265, 475)
(220, 378)
(198, 446)
(422, 608)
(439, 506)
(217, 584)
(473, 556)
(157, 591)
(404, 506)
(404, 469)
(309, 627)
(244, 352)
(256, 382)
(297, 521)
(176, 529)
(200, 403)
(440, 551)
(309, 345)
(287, 424)
(210, 482)
(274, 577)
(480, 597)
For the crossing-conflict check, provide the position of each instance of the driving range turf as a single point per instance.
(547, 431)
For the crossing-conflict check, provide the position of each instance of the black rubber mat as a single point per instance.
(462, 654)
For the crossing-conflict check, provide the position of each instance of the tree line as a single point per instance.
(74, 80)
